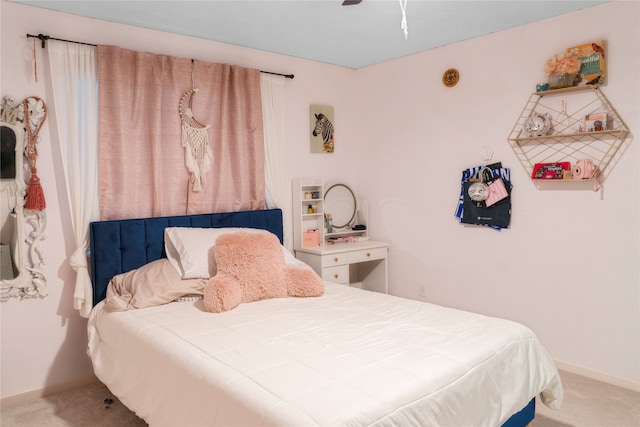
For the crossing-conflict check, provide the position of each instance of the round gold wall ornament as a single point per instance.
(450, 77)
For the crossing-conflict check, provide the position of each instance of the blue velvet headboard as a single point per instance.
(118, 246)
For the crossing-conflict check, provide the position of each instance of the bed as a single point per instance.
(349, 357)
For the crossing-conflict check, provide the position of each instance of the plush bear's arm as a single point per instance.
(303, 282)
(222, 293)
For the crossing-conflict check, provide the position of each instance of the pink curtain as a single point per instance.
(142, 162)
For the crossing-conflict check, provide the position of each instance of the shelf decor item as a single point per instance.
(584, 169)
(538, 124)
(550, 170)
(595, 122)
(561, 80)
(592, 62)
(561, 70)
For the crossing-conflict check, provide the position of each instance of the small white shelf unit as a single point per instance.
(304, 191)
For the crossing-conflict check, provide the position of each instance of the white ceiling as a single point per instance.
(324, 30)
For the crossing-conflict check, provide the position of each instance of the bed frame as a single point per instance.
(118, 246)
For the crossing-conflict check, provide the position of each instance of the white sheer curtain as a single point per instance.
(273, 113)
(75, 103)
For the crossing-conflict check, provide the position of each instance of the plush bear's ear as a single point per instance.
(222, 293)
(303, 282)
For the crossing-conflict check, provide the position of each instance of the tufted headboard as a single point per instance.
(118, 246)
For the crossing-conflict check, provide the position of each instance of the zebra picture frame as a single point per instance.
(322, 129)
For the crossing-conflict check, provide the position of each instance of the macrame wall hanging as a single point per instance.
(195, 139)
(35, 113)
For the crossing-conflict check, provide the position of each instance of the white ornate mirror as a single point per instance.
(340, 202)
(21, 229)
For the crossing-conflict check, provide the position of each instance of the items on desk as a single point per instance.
(329, 222)
(344, 239)
(310, 239)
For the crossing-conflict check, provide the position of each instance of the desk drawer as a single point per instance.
(338, 274)
(367, 255)
(334, 259)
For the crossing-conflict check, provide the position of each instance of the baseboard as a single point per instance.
(37, 394)
(598, 376)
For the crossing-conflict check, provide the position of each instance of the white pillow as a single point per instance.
(292, 261)
(190, 249)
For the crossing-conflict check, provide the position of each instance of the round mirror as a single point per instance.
(340, 202)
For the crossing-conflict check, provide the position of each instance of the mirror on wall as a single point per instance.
(21, 260)
(340, 202)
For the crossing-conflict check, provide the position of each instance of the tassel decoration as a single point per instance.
(36, 117)
(35, 194)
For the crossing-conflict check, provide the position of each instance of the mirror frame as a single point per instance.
(355, 205)
(29, 224)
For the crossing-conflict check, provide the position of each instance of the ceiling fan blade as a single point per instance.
(351, 2)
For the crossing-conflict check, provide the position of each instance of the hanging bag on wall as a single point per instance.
(477, 189)
(496, 191)
(497, 214)
(485, 187)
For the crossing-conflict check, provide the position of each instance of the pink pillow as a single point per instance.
(155, 283)
(251, 267)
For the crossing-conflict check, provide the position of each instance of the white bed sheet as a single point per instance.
(349, 358)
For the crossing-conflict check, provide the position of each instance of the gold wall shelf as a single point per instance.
(568, 140)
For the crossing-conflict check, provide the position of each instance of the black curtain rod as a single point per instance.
(43, 39)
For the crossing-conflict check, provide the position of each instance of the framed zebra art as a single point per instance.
(322, 128)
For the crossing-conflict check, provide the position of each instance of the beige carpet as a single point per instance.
(91, 405)
(590, 403)
(587, 403)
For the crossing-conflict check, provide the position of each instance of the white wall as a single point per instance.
(44, 341)
(569, 266)
(407, 164)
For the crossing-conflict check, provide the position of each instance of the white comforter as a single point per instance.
(349, 358)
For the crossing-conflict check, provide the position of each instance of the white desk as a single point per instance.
(359, 264)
